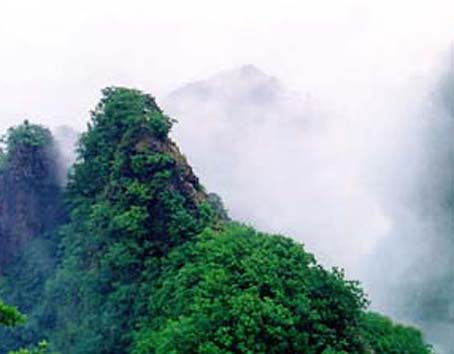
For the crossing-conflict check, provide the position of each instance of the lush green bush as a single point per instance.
(385, 337)
(10, 316)
(27, 134)
(23, 142)
(41, 348)
(240, 291)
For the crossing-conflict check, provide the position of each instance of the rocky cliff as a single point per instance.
(30, 196)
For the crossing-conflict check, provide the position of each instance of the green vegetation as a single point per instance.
(22, 139)
(10, 316)
(385, 337)
(239, 291)
(148, 262)
(27, 135)
(41, 348)
(132, 199)
(31, 209)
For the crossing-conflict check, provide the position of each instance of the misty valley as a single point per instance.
(111, 241)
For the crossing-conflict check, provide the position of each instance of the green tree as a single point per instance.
(31, 209)
(10, 316)
(132, 198)
(240, 291)
(385, 337)
(41, 348)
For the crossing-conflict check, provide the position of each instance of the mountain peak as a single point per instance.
(250, 70)
(243, 84)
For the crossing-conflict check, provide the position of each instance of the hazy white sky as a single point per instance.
(56, 55)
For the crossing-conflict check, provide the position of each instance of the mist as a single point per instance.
(409, 274)
(278, 159)
(365, 188)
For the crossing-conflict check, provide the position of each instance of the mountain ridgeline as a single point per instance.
(140, 258)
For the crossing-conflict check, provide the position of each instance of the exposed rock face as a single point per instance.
(186, 182)
(30, 197)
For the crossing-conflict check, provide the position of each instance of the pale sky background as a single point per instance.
(57, 55)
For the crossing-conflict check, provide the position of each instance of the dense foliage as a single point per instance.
(132, 199)
(385, 337)
(41, 348)
(30, 210)
(9, 316)
(23, 137)
(24, 285)
(27, 135)
(239, 291)
(149, 263)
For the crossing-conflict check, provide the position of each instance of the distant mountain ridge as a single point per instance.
(245, 84)
(244, 123)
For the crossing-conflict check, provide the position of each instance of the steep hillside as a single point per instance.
(31, 209)
(30, 196)
(132, 198)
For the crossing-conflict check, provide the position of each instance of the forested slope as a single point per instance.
(146, 261)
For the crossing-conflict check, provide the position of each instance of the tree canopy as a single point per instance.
(10, 316)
